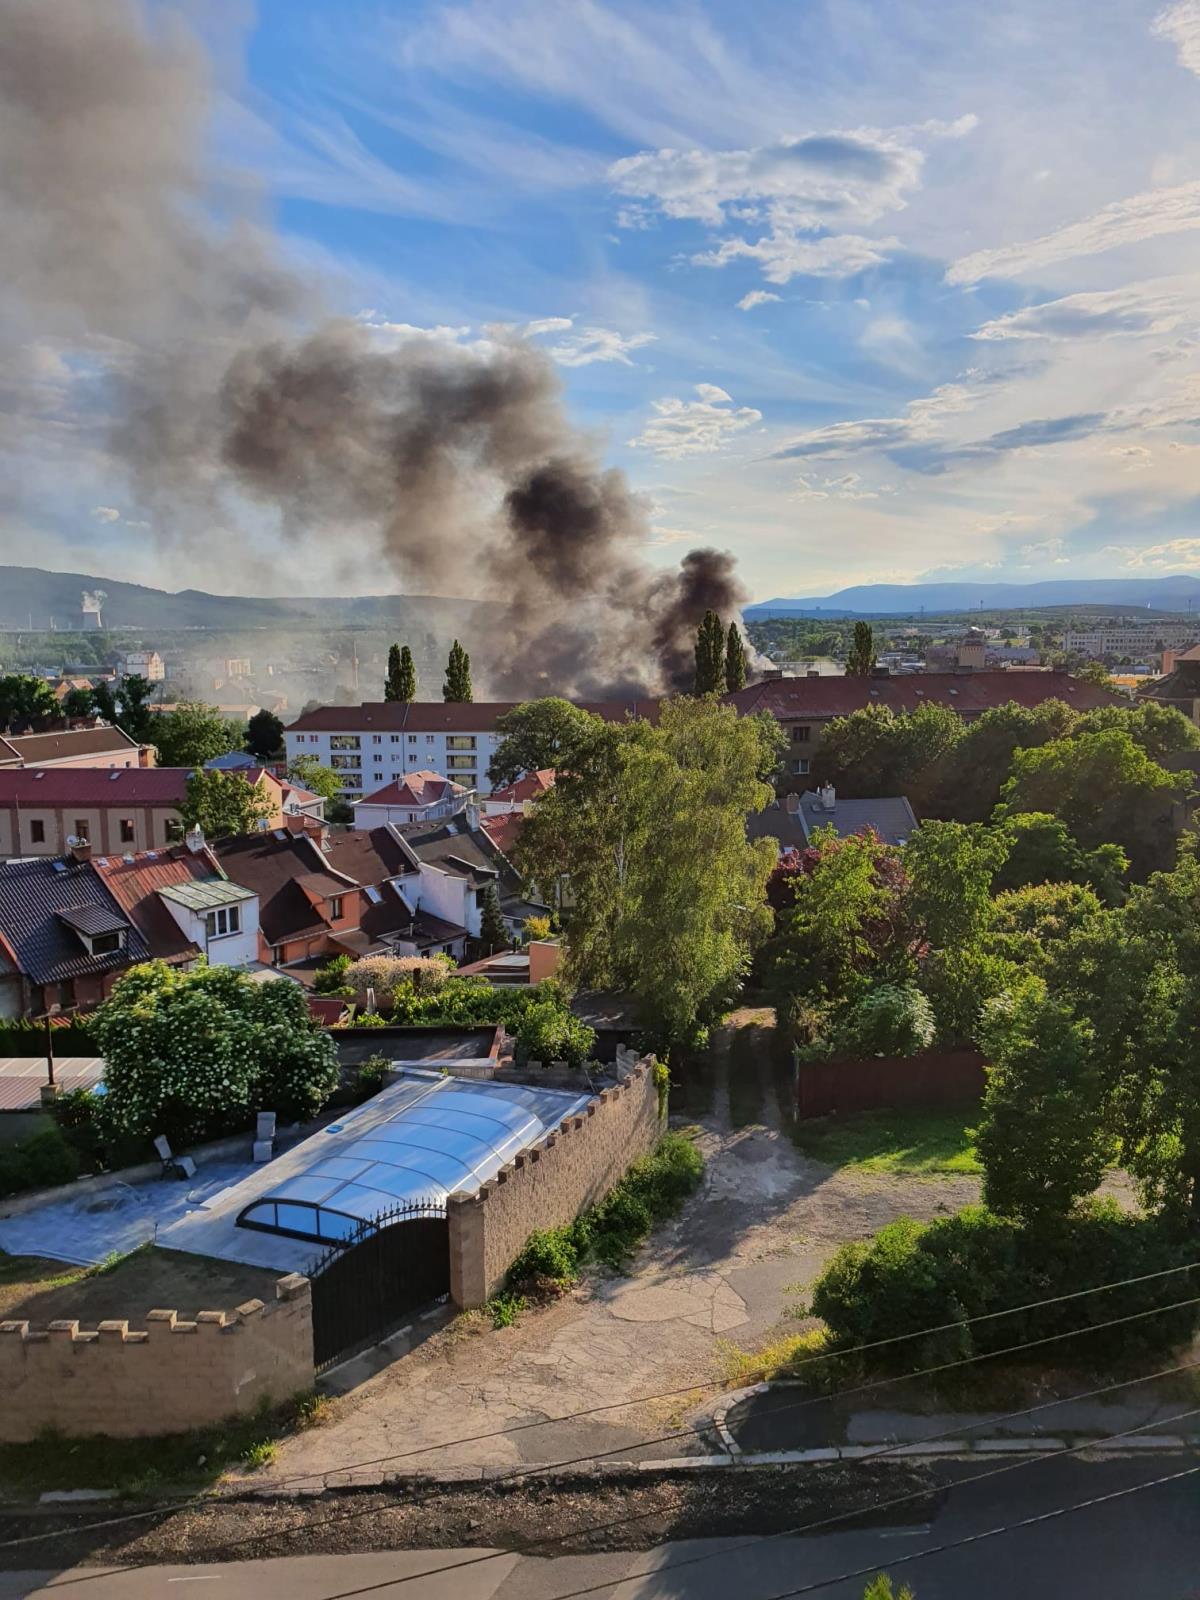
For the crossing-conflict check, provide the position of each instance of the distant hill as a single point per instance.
(31, 597)
(904, 599)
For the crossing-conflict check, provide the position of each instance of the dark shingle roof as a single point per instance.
(891, 816)
(92, 919)
(368, 855)
(67, 742)
(35, 895)
(436, 716)
(275, 866)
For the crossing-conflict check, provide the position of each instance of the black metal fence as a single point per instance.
(363, 1289)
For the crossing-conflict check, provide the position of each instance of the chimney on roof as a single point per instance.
(828, 797)
(194, 839)
(470, 814)
(80, 848)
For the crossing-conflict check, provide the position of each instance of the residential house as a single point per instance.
(378, 742)
(95, 746)
(69, 927)
(805, 706)
(1180, 687)
(520, 795)
(66, 686)
(146, 664)
(456, 862)
(420, 797)
(304, 905)
(792, 820)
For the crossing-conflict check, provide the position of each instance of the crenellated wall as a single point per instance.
(569, 1170)
(169, 1377)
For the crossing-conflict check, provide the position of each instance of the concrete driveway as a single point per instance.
(754, 1237)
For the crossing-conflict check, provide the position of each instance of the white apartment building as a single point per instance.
(380, 741)
(1140, 641)
(146, 664)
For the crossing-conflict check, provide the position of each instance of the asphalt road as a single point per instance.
(1145, 1545)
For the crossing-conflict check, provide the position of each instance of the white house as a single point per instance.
(146, 664)
(419, 797)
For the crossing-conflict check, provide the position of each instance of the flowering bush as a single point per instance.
(385, 974)
(194, 1053)
(549, 1032)
(894, 1019)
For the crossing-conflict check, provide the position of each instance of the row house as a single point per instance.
(96, 746)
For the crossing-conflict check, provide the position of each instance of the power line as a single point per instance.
(691, 1430)
(769, 1538)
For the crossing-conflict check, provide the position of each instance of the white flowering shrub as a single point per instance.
(194, 1053)
(385, 974)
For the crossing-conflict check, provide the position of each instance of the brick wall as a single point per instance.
(573, 1167)
(173, 1376)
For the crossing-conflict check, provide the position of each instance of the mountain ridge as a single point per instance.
(882, 599)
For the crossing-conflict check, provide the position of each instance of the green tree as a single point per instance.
(536, 735)
(1105, 788)
(1093, 672)
(1041, 1133)
(222, 803)
(401, 681)
(132, 712)
(1027, 925)
(735, 660)
(457, 687)
(192, 734)
(710, 655)
(1041, 850)
(78, 703)
(860, 658)
(493, 935)
(308, 773)
(264, 735)
(950, 867)
(880, 1588)
(193, 1053)
(874, 751)
(1161, 730)
(24, 698)
(667, 895)
(982, 760)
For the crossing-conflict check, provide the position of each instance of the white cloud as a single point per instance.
(106, 514)
(756, 297)
(694, 427)
(920, 421)
(581, 346)
(783, 256)
(847, 487)
(1171, 555)
(1180, 25)
(1141, 216)
(396, 333)
(1137, 309)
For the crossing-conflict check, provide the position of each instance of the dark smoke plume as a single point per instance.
(454, 464)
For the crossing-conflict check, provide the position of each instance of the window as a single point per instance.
(412, 738)
(394, 738)
(459, 763)
(376, 738)
(802, 734)
(335, 907)
(461, 742)
(372, 894)
(174, 830)
(126, 830)
(37, 832)
(81, 828)
(345, 763)
(104, 944)
(430, 738)
(224, 920)
(345, 741)
(800, 766)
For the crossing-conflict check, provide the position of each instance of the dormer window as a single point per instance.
(101, 931)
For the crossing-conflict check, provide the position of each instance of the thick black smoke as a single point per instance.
(454, 464)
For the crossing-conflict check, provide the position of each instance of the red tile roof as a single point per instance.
(530, 786)
(417, 789)
(503, 830)
(134, 883)
(968, 693)
(93, 786)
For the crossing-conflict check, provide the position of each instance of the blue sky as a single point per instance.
(859, 291)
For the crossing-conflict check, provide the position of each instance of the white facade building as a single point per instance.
(146, 664)
(219, 917)
(1141, 641)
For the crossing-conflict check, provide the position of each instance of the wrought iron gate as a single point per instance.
(363, 1289)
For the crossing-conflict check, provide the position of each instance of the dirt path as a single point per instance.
(763, 1223)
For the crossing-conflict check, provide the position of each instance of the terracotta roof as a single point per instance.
(968, 693)
(134, 882)
(416, 789)
(93, 786)
(275, 865)
(67, 743)
(503, 830)
(435, 716)
(529, 786)
(33, 897)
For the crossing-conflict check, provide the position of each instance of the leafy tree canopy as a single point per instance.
(1042, 850)
(308, 772)
(192, 734)
(457, 687)
(539, 734)
(223, 803)
(877, 752)
(950, 867)
(24, 697)
(710, 655)
(264, 734)
(860, 658)
(666, 893)
(735, 660)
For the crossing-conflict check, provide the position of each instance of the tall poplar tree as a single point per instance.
(735, 660)
(391, 684)
(861, 656)
(458, 676)
(710, 655)
(407, 681)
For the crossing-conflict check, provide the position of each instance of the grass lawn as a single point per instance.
(922, 1143)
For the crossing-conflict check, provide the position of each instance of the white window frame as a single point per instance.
(223, 922)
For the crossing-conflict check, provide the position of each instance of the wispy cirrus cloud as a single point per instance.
(580, 347)
(1139, 217)
(695, 427)
(756, 297)
(1179, 24)
(1137, 309)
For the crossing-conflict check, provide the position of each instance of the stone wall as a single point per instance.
(173, 1376)
(572, 1168)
